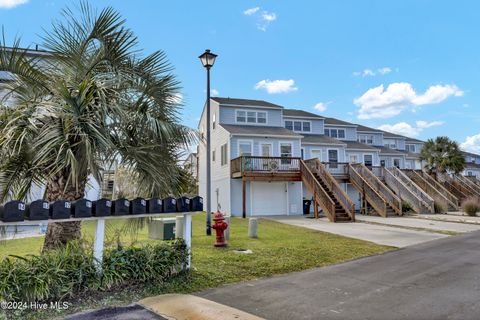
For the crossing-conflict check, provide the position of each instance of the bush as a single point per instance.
(440, 207)
(471, 206)
(70, 271)
(406, 206)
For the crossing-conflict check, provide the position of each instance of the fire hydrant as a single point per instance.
(220, 226)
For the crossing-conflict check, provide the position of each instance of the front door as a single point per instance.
(333, 158)
(266, 150)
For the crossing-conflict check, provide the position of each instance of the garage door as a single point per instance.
(269, 198)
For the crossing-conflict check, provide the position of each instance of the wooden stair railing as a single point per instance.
(371, 196)
(407, 193)
(419, 192)
(453, 186)
(439, 195)
(379, 187)
(440, 187)
(474, 180)
(467, 184)
(319, 194)
(318, 167)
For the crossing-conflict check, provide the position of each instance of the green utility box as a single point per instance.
(162, 229)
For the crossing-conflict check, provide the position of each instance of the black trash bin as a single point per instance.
(60, 209)
(155, 205)
(138, 206)
(169, 205)
(12, 211)
(120, 207)
(196, 204)
(37, 210)
(82, 208)
(306, 206)
(102, 208)
(183, 204)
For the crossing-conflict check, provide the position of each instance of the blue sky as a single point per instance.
(412, 67)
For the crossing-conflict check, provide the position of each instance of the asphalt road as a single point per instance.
(434, 280)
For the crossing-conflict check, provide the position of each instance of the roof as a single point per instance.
(469, 154)
(409, 154)
(300, 113)
(320, 139)
(367, 129)
(387, 134)
(413, 140)
(246, 102)
(359, 146)
(259, 130)
(388, 151)
(334, 121)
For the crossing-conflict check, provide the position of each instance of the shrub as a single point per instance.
(406, 206)
(70, 271)
(440, 207)
(471, 206)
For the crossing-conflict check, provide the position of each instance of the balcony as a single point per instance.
(266, 168)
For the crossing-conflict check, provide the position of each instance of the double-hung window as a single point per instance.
(365, 138)
(299, 126)
(368, 160)
(285, 151)
(335, 133)
(243, 116)
(224, 157)
(410, 147)
(244, 148)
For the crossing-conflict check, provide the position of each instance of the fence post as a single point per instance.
(187, 236)
(98, 244)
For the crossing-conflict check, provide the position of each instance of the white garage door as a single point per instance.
(269, 198)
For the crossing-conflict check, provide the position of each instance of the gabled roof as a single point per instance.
(334, 121)
(246, 102)
(388, 151)
(246, 130)
(387, 134)
(359, 146)
(300, 113)
(321, 139)
(412, 140)
(469, 154)
(362, 128)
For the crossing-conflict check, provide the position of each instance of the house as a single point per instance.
(263, 162)
(190, 164)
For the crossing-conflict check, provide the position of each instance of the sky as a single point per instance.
(410, 67)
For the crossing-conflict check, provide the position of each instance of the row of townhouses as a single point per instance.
(265, 158)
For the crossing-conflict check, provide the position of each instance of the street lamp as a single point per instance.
(208, 59)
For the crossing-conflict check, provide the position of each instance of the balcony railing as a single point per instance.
(264, 165)
(337, 168)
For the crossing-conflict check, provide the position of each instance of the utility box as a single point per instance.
(60, 209)
(169, 205)
(82, 208)
(138, 206)
(102, 208)
(155, 205)
(12, 211)
(183, 204)
(120, 207)
(37, 210)
(196, 204)
(161, 229)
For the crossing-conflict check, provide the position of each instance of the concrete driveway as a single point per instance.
(434, 280)
(380, 234)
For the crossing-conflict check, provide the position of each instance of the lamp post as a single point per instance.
(208, 59)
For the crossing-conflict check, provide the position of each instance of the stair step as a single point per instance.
(338, 219)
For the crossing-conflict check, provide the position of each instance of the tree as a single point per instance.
(92, 99)
(441, 155)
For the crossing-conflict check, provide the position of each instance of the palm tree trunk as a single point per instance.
(60, 233)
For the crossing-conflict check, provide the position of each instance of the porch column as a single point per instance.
(244, 198)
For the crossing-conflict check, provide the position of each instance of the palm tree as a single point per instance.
(91, 100)
(441, 155)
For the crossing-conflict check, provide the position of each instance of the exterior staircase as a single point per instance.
(472, 188)
(327, 193)
(375, 194)
(451, 185)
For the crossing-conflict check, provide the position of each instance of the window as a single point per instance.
(469, 173)
(396, 163)
(368, 160)
(390, 143)
(223, 155)
(244, 148)
(213, 155)
(410, 147)
(382, 163)
(285, 149)
(301, 126)
(365, 138)
(251, 116)
(335, 133)
(353, 158)
(214, 121)
(333, 158)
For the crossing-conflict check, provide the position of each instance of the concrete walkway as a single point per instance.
(458, 217)
(434, 280)
(385, 235)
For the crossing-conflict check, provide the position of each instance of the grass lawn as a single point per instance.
(280, 249)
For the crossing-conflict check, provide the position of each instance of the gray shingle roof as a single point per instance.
(367, 129)
(359, 146)
(300, 113)
(246, 102)
(385, 151)
(259, 130)
(334, 121)
(320, 139)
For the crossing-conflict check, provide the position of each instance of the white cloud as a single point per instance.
(277, 86)
(408, 130)
(371, 73)
(251, 11)
(8, 4)
(380, 103)
(321, 106)
(471, 144)
(384, 70)
(269, 16)
(214, 92)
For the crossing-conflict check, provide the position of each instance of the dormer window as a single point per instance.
(243, 116)
(298, 126)
(365, 138)
(335, 133)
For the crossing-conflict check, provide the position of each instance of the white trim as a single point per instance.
(337, 129)
(247, 106)
(266, 143)
(244, 140)
(338, 154)
(301, 117)
(256, 117)
(301, 123)
(321, 154)
(258, 135)
(340, 125)
(368, 154)
(280, 147)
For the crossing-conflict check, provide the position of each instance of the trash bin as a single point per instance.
(162, 229)
(12, 211)
(138, 206)
(196, 204)
(60, 209)
(169, 205)
(183, 204)
(82, 208)
(37, 210)
(155, 205)
(306, 206)
(102, 208)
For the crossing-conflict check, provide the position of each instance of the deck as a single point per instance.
(255, 168)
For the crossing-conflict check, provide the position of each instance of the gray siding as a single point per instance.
(350, 132)
(317, 126)
(257, 141)
(228, 114)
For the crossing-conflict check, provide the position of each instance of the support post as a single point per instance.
(315, 206)
(187, 236)
(98, 243)
(244, 198)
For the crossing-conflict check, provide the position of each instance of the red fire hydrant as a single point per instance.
(220, 226)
